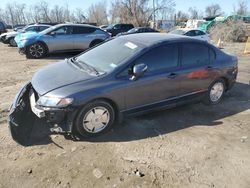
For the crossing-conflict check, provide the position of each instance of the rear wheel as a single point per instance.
(12, 42)
(36, 51)
(215, 92)
(95, 118)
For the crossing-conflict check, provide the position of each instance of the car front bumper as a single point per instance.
(24, 113)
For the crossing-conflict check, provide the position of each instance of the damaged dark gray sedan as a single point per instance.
(128, 75)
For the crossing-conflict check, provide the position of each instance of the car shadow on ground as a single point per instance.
(164, 122)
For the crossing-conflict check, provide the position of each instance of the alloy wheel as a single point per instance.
(36, 50)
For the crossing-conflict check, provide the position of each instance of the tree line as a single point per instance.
(137, 12)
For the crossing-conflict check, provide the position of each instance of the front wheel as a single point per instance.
(36, 51)
(95, 118)
(12, 42)
(215, 92)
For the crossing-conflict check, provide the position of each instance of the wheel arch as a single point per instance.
(45, 45)
(226, 82)
(108, 100)
(95, 40)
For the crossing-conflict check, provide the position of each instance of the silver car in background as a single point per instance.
(8, 38)
(61, 38)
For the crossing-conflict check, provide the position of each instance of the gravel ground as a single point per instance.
(189, 146)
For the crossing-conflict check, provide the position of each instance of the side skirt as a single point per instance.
(166, 104)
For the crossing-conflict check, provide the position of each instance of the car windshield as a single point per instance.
(23, 29)
(110, 26)
(133, 30)
(109, 55)
(44, 32)
(178, 32)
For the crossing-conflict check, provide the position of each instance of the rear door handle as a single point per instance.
(172, 75)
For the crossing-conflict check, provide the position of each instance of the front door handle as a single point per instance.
(172, 75)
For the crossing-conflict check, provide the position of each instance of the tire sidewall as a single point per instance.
(28, 54)
(79, 119)
(208, 100)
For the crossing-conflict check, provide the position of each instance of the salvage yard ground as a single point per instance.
(189, 146)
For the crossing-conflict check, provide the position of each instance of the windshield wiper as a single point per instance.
(91, 68)
(86, 66)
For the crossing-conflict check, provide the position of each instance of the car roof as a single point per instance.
(149, 39)
(73, 24)
(188, 29)
(39, 25)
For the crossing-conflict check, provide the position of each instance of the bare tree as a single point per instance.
(193, 13)
(140, 12)
(181, 16)
(213, 10)
(79, 15)
(97, 13)
(57, 14)
(241, 9)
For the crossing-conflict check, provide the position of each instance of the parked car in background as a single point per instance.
(8, 38)
(19, 26)
(2, 27)
(60, 38)
(103, 26)
(194, 33)
(90, 93)
(114, 29)
(139, 30)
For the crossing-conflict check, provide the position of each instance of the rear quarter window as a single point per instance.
(99, 31)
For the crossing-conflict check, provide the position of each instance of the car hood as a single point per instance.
(58, 75)
(9, 34)
(29, 35)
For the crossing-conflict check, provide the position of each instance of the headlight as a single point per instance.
(54, 101)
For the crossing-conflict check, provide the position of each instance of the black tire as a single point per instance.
(208, 99)
(82, 128)
(94, 43)
(36, 51)
(12, 42)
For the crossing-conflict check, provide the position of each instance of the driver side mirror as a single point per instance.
(138, 71)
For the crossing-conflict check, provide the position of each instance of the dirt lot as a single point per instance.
(190, 146)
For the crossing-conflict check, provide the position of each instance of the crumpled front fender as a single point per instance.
(21, 119)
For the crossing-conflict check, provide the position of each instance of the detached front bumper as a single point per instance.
(24, 113)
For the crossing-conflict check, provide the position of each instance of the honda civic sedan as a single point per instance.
(128, 75)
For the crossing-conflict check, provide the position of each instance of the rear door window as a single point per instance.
(83, 30)
(194, 54)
